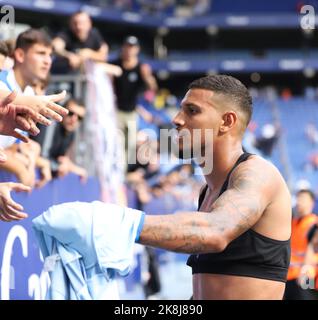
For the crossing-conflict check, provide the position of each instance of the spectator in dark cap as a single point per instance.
(132, 41)
(135, 77)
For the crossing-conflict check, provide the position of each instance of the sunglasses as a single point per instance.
(71, 113)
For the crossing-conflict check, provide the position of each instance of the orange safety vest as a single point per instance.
(299, 243)
(316, 278)
(316, 272)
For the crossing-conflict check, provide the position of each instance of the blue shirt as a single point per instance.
(85, 245)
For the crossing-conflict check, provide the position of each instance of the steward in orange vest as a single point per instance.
(299, 243)
(301, 225)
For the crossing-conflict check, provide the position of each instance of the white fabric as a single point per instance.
(7, 141)
(102, 133)
(28, 91)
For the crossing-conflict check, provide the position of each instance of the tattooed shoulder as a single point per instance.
(253, 175)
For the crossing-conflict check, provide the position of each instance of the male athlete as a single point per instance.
(240, 236)
(239, 239)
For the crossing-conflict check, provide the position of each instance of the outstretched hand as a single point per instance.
(9, 209)
(44, 106)
(13, 116)
(26, 111)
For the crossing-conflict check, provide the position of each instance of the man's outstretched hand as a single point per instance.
(46, 106)
(13, 116)
(9, 209)
(26, 111)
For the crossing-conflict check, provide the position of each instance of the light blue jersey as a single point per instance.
(85, 245)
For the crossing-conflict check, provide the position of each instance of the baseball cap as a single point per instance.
(131, 40)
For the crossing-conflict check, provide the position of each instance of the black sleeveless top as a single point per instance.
(250, 255)
(127, 87)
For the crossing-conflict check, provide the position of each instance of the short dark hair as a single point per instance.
(4, 50)
(11, 46)
(31, 36)
(229, 87)
(79, 12)
(309, 192)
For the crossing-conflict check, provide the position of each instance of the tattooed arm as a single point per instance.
(235, 211)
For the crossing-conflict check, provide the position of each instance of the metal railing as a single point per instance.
(75, 85)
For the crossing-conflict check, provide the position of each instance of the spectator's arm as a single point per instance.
(99, 55)
(70, 152)
(112, 69)
(32, 149)
(148, 77)
(59, 46)
(66, 166)
(100, 51)
(17, 167)
(145, 114)
(80, 171)
(45, 171)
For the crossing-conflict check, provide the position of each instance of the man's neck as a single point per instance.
(304, 215)
(20, 79)
(130, 62)
(225, 156)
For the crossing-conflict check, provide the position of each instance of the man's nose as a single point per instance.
(178, 120)
(48, 60)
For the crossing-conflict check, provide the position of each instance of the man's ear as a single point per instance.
(229, 119)
(19, 55)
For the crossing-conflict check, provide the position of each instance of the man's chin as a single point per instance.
(183, 154)
(42, 77)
